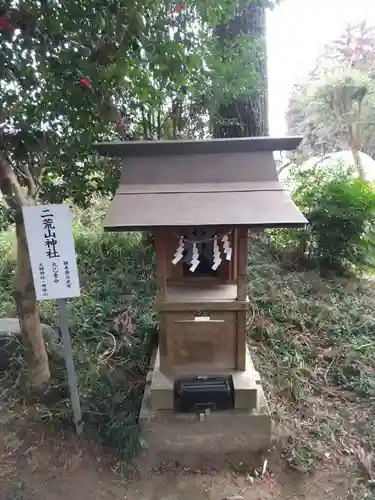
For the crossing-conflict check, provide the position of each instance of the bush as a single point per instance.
(341, 213)
(342, 217)
(6, 216)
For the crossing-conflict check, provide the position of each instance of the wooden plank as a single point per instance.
(202, 292)
(201, 168)
(236, 305)
(165, 344)
(190, 147)
(212, 342)
(194, 187)
(234, 242)
(162, 336)
(241, 341)
(161, 268)
(242, 264)
(169, 337)
(251, 209)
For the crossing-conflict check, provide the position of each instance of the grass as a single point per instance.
(112, 327)
(313, 341)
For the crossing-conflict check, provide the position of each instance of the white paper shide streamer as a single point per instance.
(205, 243)
(217, 255)
(195, 258)
(227, 247)
(179, 252)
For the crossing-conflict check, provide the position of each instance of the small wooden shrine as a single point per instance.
(200, 198)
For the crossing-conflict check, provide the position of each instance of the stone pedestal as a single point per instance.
(219, 436)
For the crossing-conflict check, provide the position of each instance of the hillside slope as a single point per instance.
(312, 340)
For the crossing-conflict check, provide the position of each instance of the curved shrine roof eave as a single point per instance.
(282, 225)
(219, 182)
(252, 209)
(123, 149)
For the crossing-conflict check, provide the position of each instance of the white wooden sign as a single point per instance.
(50, 240)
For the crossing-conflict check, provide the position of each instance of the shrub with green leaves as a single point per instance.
(341, 212)
(342, 217)
(6, 218)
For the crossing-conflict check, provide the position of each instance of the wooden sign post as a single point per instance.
(50, 240)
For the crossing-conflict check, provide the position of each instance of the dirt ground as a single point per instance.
(36, 462)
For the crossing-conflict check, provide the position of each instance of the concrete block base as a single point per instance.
(233, 435)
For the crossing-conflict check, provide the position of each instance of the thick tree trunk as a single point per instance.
(358, 163)
(357, 159)
(354, 139)
(38, 373)
(249, 117)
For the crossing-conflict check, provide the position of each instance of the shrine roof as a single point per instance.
(124, 149)
(228, 182)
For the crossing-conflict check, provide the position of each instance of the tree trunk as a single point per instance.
(249, 117)
(358, 164)
(354, 139)
(38, 373)
(357, 159)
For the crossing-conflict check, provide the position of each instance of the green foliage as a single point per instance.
(306, 179)
(342, 218)
(313, 341)
(6, 218)
(298, 316)
(341, 213)
(75, 73)
(232, 72)
(112, 329)
(338, 94)
(340, 101)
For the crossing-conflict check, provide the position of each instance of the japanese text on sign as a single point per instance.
(49, 235)
(51, 247)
